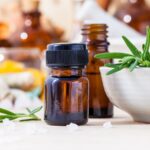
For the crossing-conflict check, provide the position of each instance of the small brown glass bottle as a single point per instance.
(66, 90)
(95, 37)
(28, 35)
(135, 13)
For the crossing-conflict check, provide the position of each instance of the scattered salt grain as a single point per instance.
(72, 127)
(11, 131)
(34, 129)
(107, 125)
(8, 125)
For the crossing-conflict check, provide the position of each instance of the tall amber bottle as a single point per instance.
(32, 34)
(95, 37)
(135, 13)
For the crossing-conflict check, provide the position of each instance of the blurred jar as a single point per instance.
(4, 33)
(135, 13)
(31, 35)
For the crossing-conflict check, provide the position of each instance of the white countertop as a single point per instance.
(125, 134)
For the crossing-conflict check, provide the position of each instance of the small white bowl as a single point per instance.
(130, 91)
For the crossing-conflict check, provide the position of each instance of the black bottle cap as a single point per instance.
(74, 55)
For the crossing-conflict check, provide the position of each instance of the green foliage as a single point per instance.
(136, 59)
(6, 114)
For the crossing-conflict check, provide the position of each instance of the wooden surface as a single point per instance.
(125, 134)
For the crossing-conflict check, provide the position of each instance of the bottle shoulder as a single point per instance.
(52, 79)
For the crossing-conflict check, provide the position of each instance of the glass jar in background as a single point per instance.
(66, 90)
(135, 13)
(95, 37)
(31, 34)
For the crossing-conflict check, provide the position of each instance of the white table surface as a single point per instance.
(125, 134)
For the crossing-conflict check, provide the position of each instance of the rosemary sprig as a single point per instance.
(31, 115)
(136, 59)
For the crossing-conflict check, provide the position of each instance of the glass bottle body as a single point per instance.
(99, 104)
(66, 94)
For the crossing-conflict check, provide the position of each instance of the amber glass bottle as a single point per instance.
(4, 35)
(31, 35)
(66, 90)
(95, 36)
(135, 13)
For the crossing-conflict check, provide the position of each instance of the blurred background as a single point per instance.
(27, 26)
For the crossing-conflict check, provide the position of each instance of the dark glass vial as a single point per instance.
(95, 37)
(66, 90)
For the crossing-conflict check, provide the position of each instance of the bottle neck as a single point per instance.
(32, 19)
(95, 35)
(61, 72)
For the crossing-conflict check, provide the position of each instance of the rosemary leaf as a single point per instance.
(29, 111)
(32, 119)
(146, 46)
(132, 48)
(112, 55)
(11, 117)
(5, 111)
(133, 65)
(131, 61)
(128, 59)
(6, 114)
(112, 65)
(36, 110)
(116, 69)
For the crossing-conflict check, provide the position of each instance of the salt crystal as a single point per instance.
(6, 122)
(13, 132)
(8, 125)
(34, 129)
(72, 127)
(107, 125)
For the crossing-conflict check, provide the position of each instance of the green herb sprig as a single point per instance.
(31, 115)
(136, 59)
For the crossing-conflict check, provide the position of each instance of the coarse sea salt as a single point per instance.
(107, 125)
(12, 131)
(8, 125)
(32, 128)
(72, 127)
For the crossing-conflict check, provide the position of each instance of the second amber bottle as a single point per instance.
(95, 37)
